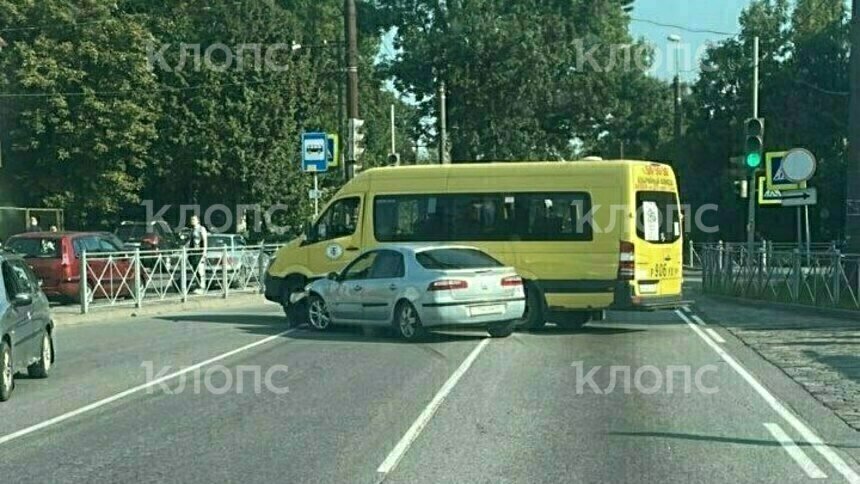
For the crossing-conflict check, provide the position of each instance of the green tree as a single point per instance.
(78, 121)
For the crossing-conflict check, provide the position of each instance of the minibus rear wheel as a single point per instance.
(535, 316)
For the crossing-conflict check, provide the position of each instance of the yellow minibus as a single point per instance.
(586, 236)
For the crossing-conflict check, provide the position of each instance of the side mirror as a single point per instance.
(333, 276)
(22, 299)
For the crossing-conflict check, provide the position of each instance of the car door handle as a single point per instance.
(357, 288)
(393, 287)
(352, 249)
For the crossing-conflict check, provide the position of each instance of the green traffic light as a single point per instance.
(753, 160)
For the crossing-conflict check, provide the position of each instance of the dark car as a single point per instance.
(26, 327)
(154, 235)
(55, 257)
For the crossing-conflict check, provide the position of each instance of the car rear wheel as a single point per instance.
(407, 322)
(41, 368)
(318, 314)
(534, 317)
(501, 330)
(572, 319)
(7, 382)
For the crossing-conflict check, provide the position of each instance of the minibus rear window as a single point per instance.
(658, 218)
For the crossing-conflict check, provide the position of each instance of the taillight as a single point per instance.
(512, 281)
(447, 285)
(626, 261)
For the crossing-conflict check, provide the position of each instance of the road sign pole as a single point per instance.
(808, 241)
(752, 188)
(799, 230)
(316, 195)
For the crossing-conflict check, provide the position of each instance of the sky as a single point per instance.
(717, 15)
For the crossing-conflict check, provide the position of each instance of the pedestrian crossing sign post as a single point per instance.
(775, 176)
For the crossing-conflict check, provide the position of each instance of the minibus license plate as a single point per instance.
(648, 288)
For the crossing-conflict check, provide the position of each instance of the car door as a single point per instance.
(23, 329)
(382, 287)
(349, 293)
(40, 309)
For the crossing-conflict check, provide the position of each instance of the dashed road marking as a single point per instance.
(716, 336)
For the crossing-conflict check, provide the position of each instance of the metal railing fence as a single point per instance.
(135, 278)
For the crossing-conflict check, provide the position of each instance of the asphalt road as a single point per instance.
(358, 407)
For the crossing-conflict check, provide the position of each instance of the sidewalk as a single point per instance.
(71, 315)
(820, 352)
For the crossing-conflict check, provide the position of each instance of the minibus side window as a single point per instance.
(557, 216)
(658, 218)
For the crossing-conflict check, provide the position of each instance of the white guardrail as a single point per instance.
(135, 278)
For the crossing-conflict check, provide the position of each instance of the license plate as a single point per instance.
(486, 310)
(648, 288)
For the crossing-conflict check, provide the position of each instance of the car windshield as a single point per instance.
(38, 248)
(215, 241)
(440, 259)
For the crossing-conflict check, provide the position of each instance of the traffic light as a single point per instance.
(741, 188)
(754, 145)
(356, 139)
(394, 159)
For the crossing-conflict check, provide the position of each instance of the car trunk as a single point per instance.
(481, 284)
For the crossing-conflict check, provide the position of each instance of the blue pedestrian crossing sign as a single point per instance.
(775, 174)
(315, 149)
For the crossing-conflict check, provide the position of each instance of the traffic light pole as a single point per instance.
(753, 185)
(351, 34)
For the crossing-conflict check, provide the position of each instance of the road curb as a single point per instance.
(787, 307)
(97, 315)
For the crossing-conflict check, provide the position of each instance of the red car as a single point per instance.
(55, 258)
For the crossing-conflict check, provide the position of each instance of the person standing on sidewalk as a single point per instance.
(199, 242)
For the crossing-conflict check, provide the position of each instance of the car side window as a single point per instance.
(388, 265)
(23, 281)
(340, 220)
(360, 268)
(9, 282)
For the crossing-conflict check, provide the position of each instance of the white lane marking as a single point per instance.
(699, 320)
(687, 309)
(799, 456)
(716, 336)
(131, 391)
(409, 437)
(832, 457)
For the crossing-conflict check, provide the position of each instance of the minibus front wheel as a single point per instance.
(295, 310)
(535, 315)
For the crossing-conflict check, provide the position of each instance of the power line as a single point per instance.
(682, 28)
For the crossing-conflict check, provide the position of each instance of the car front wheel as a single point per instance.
(318, 314)
(7, 383)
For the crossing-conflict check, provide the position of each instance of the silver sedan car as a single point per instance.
(416, 289)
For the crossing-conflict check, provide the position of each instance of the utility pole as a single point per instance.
(351, 34)
(753, 198)
(676, 39)
(852, 195)
(443, 126)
